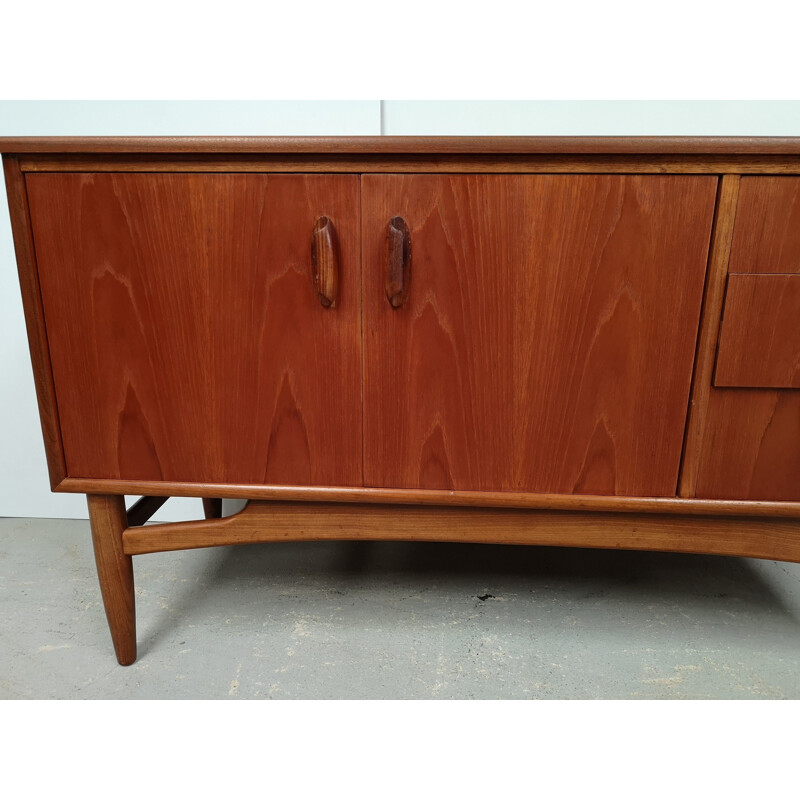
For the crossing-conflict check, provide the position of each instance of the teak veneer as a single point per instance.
(585, 342)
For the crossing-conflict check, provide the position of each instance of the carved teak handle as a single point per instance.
(325, 261)
(398, 261)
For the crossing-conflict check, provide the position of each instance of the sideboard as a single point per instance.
(589, 342)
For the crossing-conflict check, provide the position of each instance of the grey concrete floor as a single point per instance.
(397, 620)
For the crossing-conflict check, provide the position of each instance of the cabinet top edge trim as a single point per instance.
(464, 145)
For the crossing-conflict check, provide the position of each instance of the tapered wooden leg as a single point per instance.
(115, 570)
(212, 507)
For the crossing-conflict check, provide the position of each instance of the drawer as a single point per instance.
(766, 236)
(759, 344)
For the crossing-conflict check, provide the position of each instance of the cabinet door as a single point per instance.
(547, 340)
(187, 340)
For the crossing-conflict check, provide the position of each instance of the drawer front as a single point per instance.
(766, 236)
(547, 339)
(187, 340)
(751, 446)
(759, 342)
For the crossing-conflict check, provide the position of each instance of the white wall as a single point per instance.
(591, 118)
(23, 473)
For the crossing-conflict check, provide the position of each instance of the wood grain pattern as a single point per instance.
(435, 497)
(548, 339)
(767, 234)
(706, 351)
(186, 337)
(759, 344)
(34, 320)
(115, 571)
(404, 144)
(418, 162)
(269, 522)
(751, 447)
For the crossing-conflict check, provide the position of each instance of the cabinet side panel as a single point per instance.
(34, 318)
(188, 342)
(547, 343)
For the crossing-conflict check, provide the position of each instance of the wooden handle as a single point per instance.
(398, 261)
(325, 261)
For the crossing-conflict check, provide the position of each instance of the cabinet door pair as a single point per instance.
(540, 338)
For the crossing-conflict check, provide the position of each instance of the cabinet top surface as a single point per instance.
(576, 145)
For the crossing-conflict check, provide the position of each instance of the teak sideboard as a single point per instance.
(590, 342)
